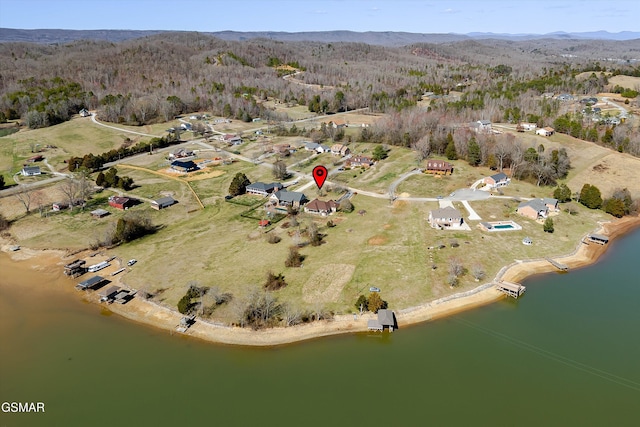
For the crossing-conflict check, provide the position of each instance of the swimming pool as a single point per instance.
(500, 226)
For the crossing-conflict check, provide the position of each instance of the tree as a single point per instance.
(1, 182)
(478, 271)
(315, 238)
(100, 180)
(24, 195)
(274, 282)
(562, 193)
(346, 206)
(280, 170)
(4, 223)
(239, 184)
(294, 259)
(455, 267)
(379, 153)
(362, 303)
(614, 206)
(450, 151)
(548, 225)
(474, 157)
(590, 196)
(375, 303)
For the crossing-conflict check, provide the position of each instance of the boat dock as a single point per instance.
(513, 290)
(558, 265)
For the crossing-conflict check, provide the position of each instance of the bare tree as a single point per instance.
(24, 194)
(422, 148)
(280, 170)
(501, 152)
(70, 188)
(478, 272)
(455, 267)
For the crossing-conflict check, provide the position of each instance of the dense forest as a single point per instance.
(155, 78)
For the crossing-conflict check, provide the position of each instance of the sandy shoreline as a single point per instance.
(153, 314)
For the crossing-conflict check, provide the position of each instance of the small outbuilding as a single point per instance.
(163, 202)
(386, 319)
(91, 282)
(122, 202)
(99, 213)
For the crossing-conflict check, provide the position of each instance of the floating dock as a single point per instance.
(513, 290)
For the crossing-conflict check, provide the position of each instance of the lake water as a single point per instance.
(567, 353)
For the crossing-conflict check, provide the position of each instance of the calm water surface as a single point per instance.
(568, 354)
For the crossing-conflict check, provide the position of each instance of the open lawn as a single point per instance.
(389, 246)
(76, 137)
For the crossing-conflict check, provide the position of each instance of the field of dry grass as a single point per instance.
(389, 246)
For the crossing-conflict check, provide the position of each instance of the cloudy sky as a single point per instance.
(417, 16)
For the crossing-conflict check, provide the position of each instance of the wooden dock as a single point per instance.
(558, 265)
(513, 290)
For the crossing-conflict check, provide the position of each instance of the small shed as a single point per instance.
(99, 213)
(163, 202)
(109, 293)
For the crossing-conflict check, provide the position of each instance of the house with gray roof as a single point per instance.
(263, 189)
(497, 180)
(284, 198)
(163, 202)
(30, 171)
(446, 218)
(537, 208)
(386, 319)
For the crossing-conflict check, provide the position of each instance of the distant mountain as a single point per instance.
(382, 38)
(593, 35)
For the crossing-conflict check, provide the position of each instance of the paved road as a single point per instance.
(394, 184)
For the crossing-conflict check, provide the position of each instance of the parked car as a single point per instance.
(131, 262)
(374, 289)
(439, 197)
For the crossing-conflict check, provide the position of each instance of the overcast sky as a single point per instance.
(416, 16)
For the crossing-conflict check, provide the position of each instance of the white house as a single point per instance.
(546, 131)
(30, 171)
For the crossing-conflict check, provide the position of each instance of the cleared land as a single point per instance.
(389, 246)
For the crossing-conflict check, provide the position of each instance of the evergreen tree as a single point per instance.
(548, 225)
(474, 157)
(239, 184)
(562, 193)
(590, 196)
(100, 180)
(379, 153)
(614, 207)
(450, 151)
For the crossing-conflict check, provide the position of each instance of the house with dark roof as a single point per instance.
(481, 126)
(262, 189)
(30, 171)
(439, 167)
(184, 166)
(284, 198)
(311, 146)
(232, 139)
(537, 208)
(447, 217)
(320, 207)
(84, 113)
(163, 202)
(497, 180)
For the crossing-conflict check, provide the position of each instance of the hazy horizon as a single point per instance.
(413, 16)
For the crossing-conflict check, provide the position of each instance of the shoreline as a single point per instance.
(158, 316)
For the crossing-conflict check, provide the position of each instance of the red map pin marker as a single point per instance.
(319, 175)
